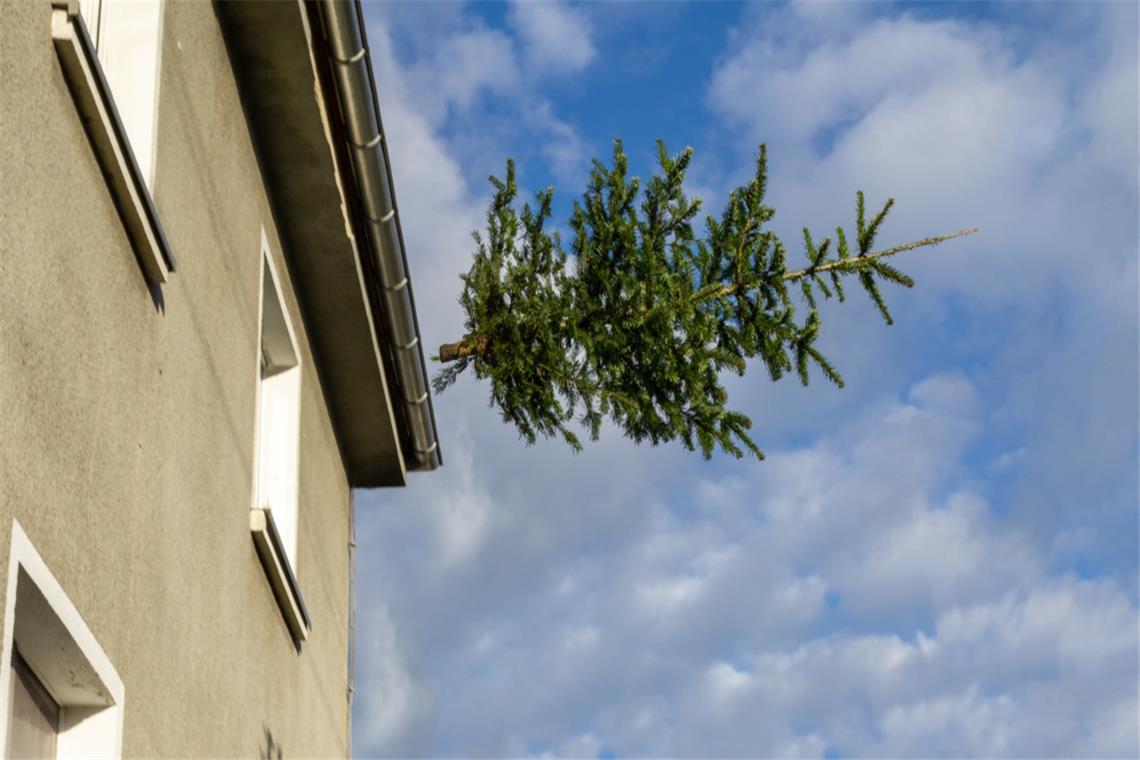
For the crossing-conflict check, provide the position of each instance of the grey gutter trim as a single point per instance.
(360, 108)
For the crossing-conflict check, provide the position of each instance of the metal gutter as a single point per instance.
(360, 110)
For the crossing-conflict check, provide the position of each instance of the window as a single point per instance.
(274, 517)
(33, 716)
(127, 37)
(109, 53)
(279, 413)
(63, 697)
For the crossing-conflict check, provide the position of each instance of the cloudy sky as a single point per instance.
(940, 559)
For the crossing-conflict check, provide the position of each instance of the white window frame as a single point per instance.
(274, 512)
(127, 36)
(124, 75)
(91, 704)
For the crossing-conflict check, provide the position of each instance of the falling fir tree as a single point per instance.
(641, 326)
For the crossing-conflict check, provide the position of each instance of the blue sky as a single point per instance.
(939, 559)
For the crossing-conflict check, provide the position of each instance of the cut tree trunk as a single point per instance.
(461, 349)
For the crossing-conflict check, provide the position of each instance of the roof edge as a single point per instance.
(355, 84)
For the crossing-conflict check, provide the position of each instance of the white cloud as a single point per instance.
(585, 745)
(955, 121)
(395, 707)
(856, 592)
(465, 63)
(930, 559)
(477, 60)
(759, 83)
(463, 66)
(1108, 105)
(955, 637)
(462, 514)
(969, 689)
(972, 124)
(945, 117)
(437, 209)
(952, 392)
(978, 725)
(829, 14)
(555, 36)
(566, 154)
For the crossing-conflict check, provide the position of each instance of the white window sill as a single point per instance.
(108, 137)
(276, 564)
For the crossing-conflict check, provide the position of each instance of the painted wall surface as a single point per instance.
(127, 428)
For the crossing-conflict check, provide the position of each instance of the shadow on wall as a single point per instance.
(269, 749)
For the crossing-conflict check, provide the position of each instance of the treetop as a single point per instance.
(639, 318)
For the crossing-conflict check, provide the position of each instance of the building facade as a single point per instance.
(207, 341)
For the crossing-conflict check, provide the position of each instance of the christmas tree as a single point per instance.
(648, 314)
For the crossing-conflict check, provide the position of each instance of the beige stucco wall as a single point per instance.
(127, 432)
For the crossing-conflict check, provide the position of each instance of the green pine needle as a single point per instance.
(638, 316)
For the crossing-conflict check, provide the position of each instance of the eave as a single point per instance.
(293, 104)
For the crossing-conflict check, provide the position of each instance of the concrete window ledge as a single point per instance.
(281, 579)
(108, 137)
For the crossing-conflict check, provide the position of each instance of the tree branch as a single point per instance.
(856, 262)
(469, 346)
